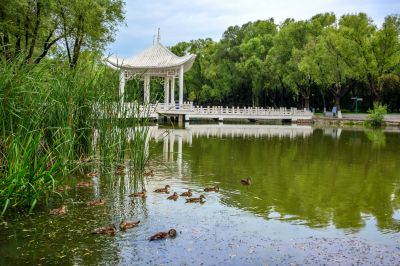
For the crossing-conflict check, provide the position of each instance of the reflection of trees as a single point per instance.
(317, 180)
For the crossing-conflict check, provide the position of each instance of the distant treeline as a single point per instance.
(316, 63)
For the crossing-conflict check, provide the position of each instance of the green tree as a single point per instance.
(323, 60)
(33, 28)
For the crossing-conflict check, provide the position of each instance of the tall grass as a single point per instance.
(50, 116)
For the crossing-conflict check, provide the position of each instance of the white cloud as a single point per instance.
(183, 20)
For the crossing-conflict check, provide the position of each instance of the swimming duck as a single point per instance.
(246, 181)
(109, 230)
(149, 173)
(194, 200)
(162, 235)
(162, 190)
(173, 197)
(84, 184)
(141, 194)
(187, 194)
(128, 224)
(98, 202)
(62, 189)
(92, 174)
(209, 189)
(120, 170)
(59, 211)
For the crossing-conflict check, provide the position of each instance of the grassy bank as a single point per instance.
(50, 116)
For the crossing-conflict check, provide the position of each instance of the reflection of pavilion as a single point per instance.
(230, 131)
(178, 136)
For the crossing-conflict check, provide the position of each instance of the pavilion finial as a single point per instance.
(158, 36)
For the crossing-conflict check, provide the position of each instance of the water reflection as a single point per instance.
(303, 178)
(317, 178)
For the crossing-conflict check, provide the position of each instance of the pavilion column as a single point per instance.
(121, 85)
(166, 90)
(173, 90)
(181, 86)
(146, 89)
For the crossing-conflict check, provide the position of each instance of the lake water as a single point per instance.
(318, 196)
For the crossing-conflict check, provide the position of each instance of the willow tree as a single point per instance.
(257, 42)
(323, 60)
(33, 28)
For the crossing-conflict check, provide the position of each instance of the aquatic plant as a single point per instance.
(50, 116)
(376, 116)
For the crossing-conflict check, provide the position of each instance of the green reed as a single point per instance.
(50, 119)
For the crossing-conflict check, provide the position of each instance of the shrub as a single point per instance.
(376, 116)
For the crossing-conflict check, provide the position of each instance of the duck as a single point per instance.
(59, 211)
(173, 197)
(85, 184)
(109, 230)
(141, 194)
(246, 181)
(149, 173)
(209, 189)
(92, 174)
(120, 170)
(187, 193)
(98, 202)
(194, 200)
(162, 235)
(162, 190)
(62, 189)
(128, 224)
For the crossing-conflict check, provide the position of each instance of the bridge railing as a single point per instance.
(131, 109)
(217, 110)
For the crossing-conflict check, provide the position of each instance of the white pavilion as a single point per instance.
(156, 61)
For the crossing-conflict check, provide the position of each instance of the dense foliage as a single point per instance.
(37, 28)
(317, 63)
(376, 116)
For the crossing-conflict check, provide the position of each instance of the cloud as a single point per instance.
(183, 20)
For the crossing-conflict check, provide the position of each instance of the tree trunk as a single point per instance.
(78, 43)
(337, 101)
(306, 102)
(35, 32)
(46, 46)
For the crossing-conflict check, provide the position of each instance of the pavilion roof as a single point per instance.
(155, 57)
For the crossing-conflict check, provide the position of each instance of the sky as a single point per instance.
(185, 20)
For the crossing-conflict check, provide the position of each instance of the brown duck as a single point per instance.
(195, 200)
(62, 189)
(59, 211)
(162, 235)
(173, 197)
(209, 189)
(120, 170)
(141, 194)
(187, 193)
(149, 173)
(84, 184)
(246, 181)
(98, 202)
(162, 190)
(128, 224)
(109, 230)
(92, 174)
